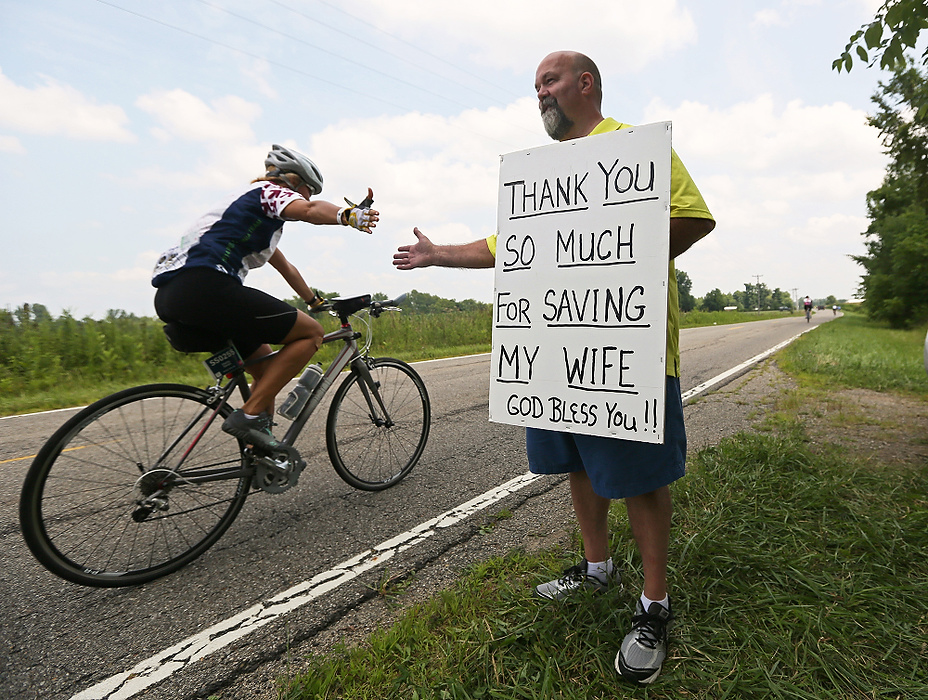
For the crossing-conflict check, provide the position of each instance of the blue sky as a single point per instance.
(122, 121)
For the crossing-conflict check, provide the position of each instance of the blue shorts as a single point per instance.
(617, 468)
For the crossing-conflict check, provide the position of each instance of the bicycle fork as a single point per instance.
(369, 386)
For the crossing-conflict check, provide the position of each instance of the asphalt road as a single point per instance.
(60, 640)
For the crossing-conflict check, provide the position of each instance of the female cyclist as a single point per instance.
(201, 296)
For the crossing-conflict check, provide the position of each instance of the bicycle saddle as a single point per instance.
(346, 307)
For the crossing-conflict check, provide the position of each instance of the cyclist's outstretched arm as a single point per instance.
(319, 211)
(424, 253)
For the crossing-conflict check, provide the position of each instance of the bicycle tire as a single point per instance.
(372, 457)
(80, 508)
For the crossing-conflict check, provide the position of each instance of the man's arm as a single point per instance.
(684, 232)
(424, 253)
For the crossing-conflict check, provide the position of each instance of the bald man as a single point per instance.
(601, 469)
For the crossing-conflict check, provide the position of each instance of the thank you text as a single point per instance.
(580, 297)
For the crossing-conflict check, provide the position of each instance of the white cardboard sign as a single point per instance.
(580, 298)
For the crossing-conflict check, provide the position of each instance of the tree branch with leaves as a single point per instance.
(893, 31)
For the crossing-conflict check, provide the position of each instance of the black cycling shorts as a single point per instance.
(205, 308)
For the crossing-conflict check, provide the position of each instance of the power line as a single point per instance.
(411, 45)
(285, 66)
(418, 66)
(331, 53)
(757, 286)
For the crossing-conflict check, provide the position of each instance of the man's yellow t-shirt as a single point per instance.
(685, 202)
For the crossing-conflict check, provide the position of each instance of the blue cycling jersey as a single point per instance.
(239, 235)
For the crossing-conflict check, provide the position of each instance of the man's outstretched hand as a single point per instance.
(419, 254)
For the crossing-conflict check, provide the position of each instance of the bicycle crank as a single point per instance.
(277, 472)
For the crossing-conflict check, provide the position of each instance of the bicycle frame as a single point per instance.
(349, 355)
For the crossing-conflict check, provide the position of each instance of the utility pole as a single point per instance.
(795, 298)
(757, 285)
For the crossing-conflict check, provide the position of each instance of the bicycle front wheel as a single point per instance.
(133, 487)
(370, 450)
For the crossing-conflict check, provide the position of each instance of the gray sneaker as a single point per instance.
(644, 648)
(254, 431)
(575, 579)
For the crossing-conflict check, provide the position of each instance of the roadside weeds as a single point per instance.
(781, 574)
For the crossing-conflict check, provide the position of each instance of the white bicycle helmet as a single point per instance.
(282, 160)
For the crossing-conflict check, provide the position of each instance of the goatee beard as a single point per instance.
(555, 121)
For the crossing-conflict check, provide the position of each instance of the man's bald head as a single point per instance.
(568, 85)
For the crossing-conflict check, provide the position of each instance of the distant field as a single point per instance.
(54, 363)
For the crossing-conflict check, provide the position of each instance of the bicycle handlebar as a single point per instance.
(351, 305)
(393, 302)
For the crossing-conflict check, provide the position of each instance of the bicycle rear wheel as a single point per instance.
(133, 487)
(367, 451)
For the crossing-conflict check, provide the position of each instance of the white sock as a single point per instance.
(250, 417)
(646, 602)
(600, 569)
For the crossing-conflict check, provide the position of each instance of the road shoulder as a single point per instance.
(541, 519)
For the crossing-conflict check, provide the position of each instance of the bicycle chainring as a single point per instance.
(278, 473)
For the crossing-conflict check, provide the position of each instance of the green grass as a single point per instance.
(796, 575)
(64, 362)
(45, 369)
(856, 352)
(693, 319)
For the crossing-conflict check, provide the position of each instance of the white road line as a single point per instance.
(696, 390)
(158, 667)
(162, 665)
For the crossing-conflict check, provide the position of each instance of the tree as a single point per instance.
(779, 299)
(895, 282)
(894, 29)
(684, 292)
(754, 296)
(902, 118)
(717, 300)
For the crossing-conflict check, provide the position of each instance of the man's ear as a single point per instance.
(587, 82)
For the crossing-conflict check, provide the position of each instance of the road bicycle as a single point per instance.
(144, 481)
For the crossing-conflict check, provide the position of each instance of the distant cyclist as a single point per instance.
(807, 305)
(201, 293)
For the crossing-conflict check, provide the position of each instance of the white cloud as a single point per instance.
(759, 136)
(258, 72)
(230, 153)
(53, 109)
(787, 184)
(430, 168)
(187, 117)
(768, 18)
(11, 144)
(509, 34)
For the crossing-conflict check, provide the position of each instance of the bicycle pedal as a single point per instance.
(280, 457)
